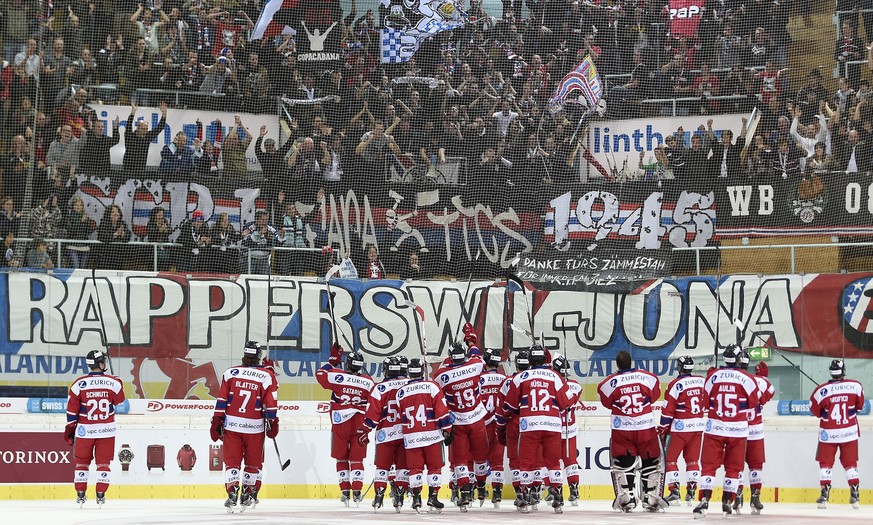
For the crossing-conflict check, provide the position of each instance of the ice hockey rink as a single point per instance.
(159, 512)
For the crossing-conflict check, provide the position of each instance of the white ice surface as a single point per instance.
(160, 512)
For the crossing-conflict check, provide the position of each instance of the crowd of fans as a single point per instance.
(478, 93)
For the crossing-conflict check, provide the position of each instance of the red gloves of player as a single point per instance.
(448, 436)
(268, 363)
(272, 427)
(469, 336)
(336, 355)
(70, 433)
(216, 429)
(363, 436)
(501, 435)
(663, 430)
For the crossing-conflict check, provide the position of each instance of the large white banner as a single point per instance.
(185, 120)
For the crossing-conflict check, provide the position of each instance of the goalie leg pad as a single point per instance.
(623, 476)
(652, 481)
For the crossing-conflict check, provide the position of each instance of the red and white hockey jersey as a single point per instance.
(729, 393)
(489, 388)
(629, 394)
(570, 429)
(383, 411)
(837, 404)
(248, 395)
(423, 412)
(756, 419)
(350, 392)
(685, 410)
(539, 396)
(460, 385)
(91, 403)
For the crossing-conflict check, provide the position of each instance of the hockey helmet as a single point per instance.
(522, 360)
(761, 369)
(415, 369)
(744, 359)
(731, 354)
(457, 353)
(537, 355)
(561, 365)
(492, 357)
(95, 358)
(685, 364)
(354, 362)
(404, 364)
(391, 367)
(252, 349)
(837, 368)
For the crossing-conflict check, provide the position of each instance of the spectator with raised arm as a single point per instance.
(233, 151)
(274, 167)
(258, 237)
(177, 158)
(138, 139)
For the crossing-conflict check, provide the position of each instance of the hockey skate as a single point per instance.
(435, 506)
(245, 499)
(101, 499)
(522, 500)
(379, 498)
(416, 499)
(755, 502)
(738, 501)
(701, 508)
(230, 502)
(399, 494)
(854, 496)
(481, 492)
(574, 494)
(255, 500)
(80, 498)
(456, 493)
(466, 496)
(497, 495)
(726, 509)
(557, 493)
(357, 497)
(825, 496)
(654, 503)
(534, 498)
(625, 502)
(674, 497)
(690, 492)
(393, 488)
(345, 497)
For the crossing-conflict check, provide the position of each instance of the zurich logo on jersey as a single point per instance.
(616, 422)
(444, 378)
(381, 388)
(80, 431)
(83, 384)
(679, 386)
(234, 372)
(380, 436)
(678, 424)
(340, 378)
(524, 375)
(823, 436)
(523, 424)
(708, 426)
(613, 382)
(399, 394)
(337, 418)
(823, 392)
(727, 482)
(482, 381)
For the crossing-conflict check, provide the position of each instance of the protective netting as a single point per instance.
(583, 145)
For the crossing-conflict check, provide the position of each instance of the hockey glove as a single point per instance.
(70, 433)
(663, 430)
(501, 435)
(448, 436)
(216, 429)
(272, 426)
(269, 363)
(469, 336)
(363, 436)
(336, 355)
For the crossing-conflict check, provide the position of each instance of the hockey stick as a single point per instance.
(517, 280)
(466, 296)
(104, 339)
(742, 329)
(567, 413)
(516, 328)
(422, 339)
(285, 463)
(331, 295)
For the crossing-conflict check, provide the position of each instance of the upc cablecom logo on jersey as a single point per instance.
(616, 422)
(523, 424)
(80, 431)
(824, 435)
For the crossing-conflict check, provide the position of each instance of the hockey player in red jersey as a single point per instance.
(507, 428)
(459, 381)
(683, 420)
(246, 408)
(837, 403)
(539, 396)
(629, 394)
(755, 442)
(728, 393)
(569, 452)
(489, 386)
(427, 423)
(350, 389)
(383, 415)
(90, 429)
